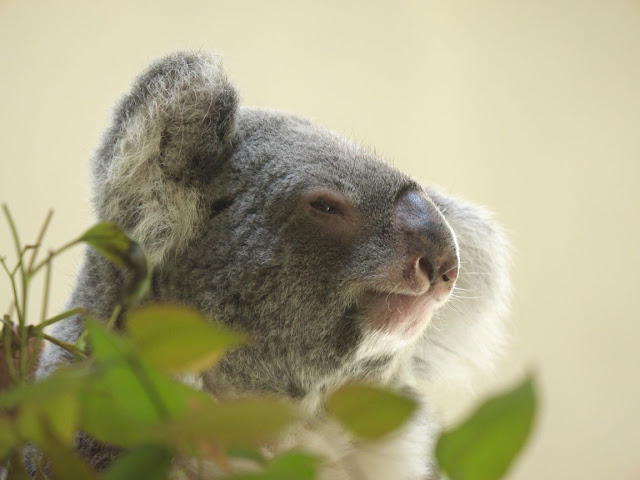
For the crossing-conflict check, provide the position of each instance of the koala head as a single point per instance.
(332, 259)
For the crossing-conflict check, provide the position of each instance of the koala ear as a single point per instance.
(170, 135)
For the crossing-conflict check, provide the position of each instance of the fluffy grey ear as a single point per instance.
(468, 332)
(170, 134)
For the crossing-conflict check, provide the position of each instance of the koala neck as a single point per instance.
(244, 373)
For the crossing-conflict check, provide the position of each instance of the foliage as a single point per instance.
(484, 445)
(125, 393)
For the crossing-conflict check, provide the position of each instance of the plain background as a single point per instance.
(531, 108)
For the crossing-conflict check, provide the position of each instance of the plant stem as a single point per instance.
(16, 299)
(6, 319)
(69, 347)
(61, 316)
(114, 317)
(19, 264)
(14, 232)
(8, 351)
(22, 319)
(19, 253)
(47, 286)
(43, 230)
(52, 254)
(22, 330)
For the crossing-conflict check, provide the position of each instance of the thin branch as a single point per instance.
(32, 357)
(47, 287)
(16, 298)
(114, 317)
(61, 316)
(66, 246)
(6, 319)
(19, 253)
(25, 286)
(19, 264)
(70, 347)
(8, 352)
(14, 231)
(43, 230)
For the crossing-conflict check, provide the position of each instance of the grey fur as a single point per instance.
(212, 191)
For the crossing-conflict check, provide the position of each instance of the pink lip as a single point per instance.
(399, 314)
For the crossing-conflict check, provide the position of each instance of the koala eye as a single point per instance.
(324, 207)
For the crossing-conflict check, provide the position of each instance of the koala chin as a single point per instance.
(341, 267)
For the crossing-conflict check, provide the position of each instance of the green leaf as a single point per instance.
(178, 339)
(59, 414)
(59, 411)
(65, 463)
(294, 466)
(17, 470)
(247, 453)
(370, 412)
(148, 462)
(61, 382)
(237, 423)
(127, 397)
(484, 446)
(8, 437)
(288, 466)
(112, 242)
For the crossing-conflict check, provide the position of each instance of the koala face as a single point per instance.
(332, 259)
(314, 246)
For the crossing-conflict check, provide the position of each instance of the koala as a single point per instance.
(341, 267)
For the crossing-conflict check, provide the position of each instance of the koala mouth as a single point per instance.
(400, 314)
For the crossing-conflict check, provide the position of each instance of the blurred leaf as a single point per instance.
(128, 397)
(485, 445)
(8, 437)
(247, 453)
(288, 466)
(370, 412)
(81, 342)
(28, 423)
(131, 404)
(237, 423)
(61, 382)
(17, 470)
(65, 463)
(51, 401)
(178, 339)
(112, 242)
(294, 466)
(58, 414)
(63, 414)
(147, 462)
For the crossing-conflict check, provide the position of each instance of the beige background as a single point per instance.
(529, 107)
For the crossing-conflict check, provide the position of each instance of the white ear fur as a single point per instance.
(467, 334)
(181, 109)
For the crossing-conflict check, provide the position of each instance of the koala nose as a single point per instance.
(433, 273)
(430, 243)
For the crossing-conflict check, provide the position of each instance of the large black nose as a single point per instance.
(431, 254)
